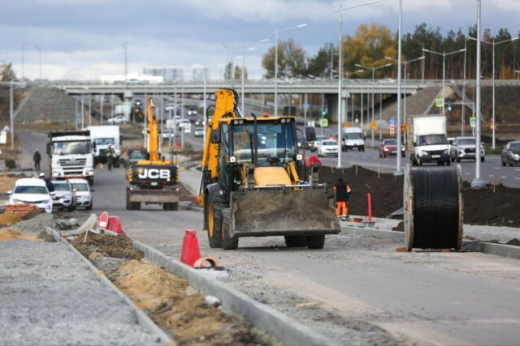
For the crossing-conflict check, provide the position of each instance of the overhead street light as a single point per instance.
(373, 68)
(125, 48)
(444, 55)
(493, 44)
(340, 67)
(276, 33)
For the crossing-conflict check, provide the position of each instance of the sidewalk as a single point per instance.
(191, 178)
(49, 297)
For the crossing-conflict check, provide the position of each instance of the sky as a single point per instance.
(83, 39)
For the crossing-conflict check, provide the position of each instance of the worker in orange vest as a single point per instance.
(343, 193)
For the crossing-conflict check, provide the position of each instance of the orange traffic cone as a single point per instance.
(190, 248)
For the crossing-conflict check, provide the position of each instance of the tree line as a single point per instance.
(371, 44)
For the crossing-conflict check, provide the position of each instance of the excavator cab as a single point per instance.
(254, 184)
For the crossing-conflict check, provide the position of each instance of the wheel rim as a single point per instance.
(210, 220)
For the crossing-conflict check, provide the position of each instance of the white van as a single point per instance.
(102, 137)
(353, 138)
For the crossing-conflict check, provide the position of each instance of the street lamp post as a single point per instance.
(398, 170)
(276, 33)
(478, 182)
(340, 67)
(40, 59)
(405, 65)
(373, 68)
(444, 55)
(493, 44)
(125, 48)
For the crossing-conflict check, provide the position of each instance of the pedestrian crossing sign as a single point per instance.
(324, 122)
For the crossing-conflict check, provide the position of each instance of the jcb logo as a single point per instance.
(153, 173)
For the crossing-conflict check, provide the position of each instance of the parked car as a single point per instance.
(64, 195)
(32, 191)
(192, 112)
(316, 143)
(199, 131)
(116, 120)
(464, 148)
(328, 147)
(83, 193)
(388, 147)
(511, 154)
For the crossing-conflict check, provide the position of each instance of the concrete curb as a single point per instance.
(475, 246)
(142, 319)
(494, 249)
(283, 328)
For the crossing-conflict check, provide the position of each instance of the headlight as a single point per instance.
(517, 156)
(232, 159)
(446, 152)
(299, 157)
(90, 173)
(424, 153)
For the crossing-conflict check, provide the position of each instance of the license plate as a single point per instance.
(435, 156)
(393, 151)
(154, 183)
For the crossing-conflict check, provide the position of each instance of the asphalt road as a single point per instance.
(356, 290)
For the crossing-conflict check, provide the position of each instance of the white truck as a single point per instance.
(102, 137)
(71, 155)
(430, 143)
(353, 138)
(121, 113)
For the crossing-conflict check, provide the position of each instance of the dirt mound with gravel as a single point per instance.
(9, 218)
(169, 300)
(11, 234)
(494, 205)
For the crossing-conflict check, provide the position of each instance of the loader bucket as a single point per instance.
(267, 212)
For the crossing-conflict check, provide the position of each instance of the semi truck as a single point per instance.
(71, 155)
(430, 142)
(102, 137)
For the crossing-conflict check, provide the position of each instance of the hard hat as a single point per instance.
(42, 175)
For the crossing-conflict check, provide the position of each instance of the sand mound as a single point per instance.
(11, 234)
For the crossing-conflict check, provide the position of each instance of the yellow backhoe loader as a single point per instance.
(253, 181)
(153, 181)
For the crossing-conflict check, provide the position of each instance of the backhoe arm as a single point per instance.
(153, 132)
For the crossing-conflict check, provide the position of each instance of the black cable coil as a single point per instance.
(436, 211)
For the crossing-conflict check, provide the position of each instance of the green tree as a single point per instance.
(291, 60)
(322, 63)
(238, 73)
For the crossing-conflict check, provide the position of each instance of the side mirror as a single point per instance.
(94, 145)
(310, 133)
(74, 190)
(52, 193)
(215, 136)
(9, 192)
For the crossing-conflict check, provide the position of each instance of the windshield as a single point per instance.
(61, 187)
(137, 155)
(104, 141)
(329, 143)
(467, 141)
(39, 190)
(515, 148)
(390, 142)
(354, 135)
(432, 140)
(274, 141)
(67, 148)
(80, 187)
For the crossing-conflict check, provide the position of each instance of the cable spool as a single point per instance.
(433, 208)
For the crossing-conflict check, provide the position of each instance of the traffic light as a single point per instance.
(323, 112)
(450, 106)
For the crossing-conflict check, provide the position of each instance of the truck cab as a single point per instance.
(71, 155)
(430, 143)
(102, 137)
(353, 138)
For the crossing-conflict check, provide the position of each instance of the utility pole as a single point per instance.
(11, 112)
(23, 61)
(398, 170)
(478, 183)
(125, 47)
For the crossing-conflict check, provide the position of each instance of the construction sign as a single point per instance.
(392, 130)
(346, 124)
(373, 125)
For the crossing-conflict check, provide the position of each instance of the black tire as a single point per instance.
(380, 156)
(448, 163)
(458, 159)
(228, 243)
(384, 156)
(419, 163)
(137, 205)
(482, 159)
(403, 155)
(503, 164)
(316, 241)
(89, 207)
(296, 241)
(412, 160)
(214, 217)
(129, 205)
(91, 181)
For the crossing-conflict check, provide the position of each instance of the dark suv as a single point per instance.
(511, 154)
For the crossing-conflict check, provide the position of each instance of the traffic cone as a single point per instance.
(114, 226)
(190, 248)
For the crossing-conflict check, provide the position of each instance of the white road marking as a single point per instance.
(503, 177)
(496, 167)
(490, 175)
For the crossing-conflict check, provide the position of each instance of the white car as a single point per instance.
(199, 131)
(316, 143)
(116, 120)
(64, 196)
(83, 194)
(328, 147)
(31, 191)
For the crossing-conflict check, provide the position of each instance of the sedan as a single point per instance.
(199, 131)
(328, 147)
(388, 147)
(511, 154)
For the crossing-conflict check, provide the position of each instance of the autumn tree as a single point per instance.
(291, 60)
(6, 72)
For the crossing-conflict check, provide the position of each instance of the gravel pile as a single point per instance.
(49, 297)
(36, 225)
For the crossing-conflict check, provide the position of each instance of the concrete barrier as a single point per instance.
(278, 325)
(493, 249)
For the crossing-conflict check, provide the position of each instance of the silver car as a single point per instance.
(64, 196)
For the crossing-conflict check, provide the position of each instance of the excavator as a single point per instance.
(153, 181)
(253, 181)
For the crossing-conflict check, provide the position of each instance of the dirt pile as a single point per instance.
(166, 298)
(11, 234)
(9, 218)
(108, 246)
(7, 182)
(495, 206)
